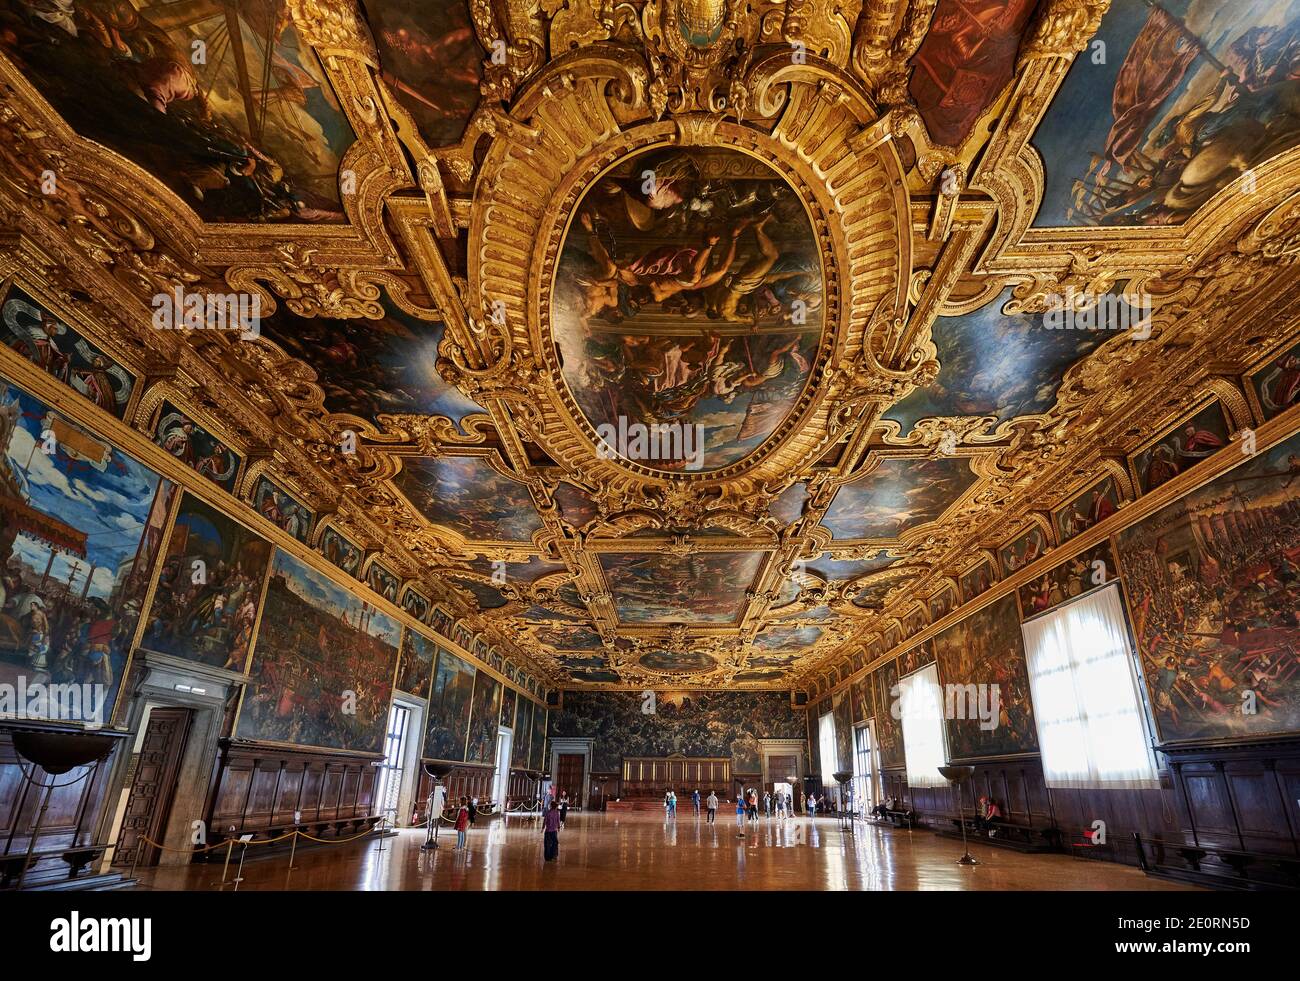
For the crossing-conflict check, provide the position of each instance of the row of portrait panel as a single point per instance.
(86, 530)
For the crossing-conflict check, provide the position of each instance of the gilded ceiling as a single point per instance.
(672, 342)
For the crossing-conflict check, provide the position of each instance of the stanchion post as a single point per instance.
(293, 850)
(230, 846)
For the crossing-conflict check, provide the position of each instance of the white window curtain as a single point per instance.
(921, 705)
(826, 747)
(1091, 728)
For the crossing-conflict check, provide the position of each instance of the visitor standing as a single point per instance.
(564, 807)
(712, 803)
(751, 806)
(811, 805)
(473, 810)
(740, 808)
(695, 801)
(767, 804)
(462, 822)
(551, 825)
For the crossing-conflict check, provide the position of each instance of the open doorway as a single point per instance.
(501, 778)
(155, 768)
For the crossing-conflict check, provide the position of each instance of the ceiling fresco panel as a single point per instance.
(221, 101)
(1183, 97)
(465, 494)
(670, 588)
(898, 495)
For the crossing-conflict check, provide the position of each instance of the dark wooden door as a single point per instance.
(153, 786)
(569, 776)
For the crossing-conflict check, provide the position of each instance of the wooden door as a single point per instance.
(569, 776)
(153, 785)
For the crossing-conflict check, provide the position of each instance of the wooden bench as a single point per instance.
(77, 858)
(1216, 867)
(1007, 834)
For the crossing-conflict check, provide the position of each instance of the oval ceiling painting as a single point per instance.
(688, 307)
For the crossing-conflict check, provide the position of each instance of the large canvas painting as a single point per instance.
(209, 589)
(223, 102)
(537, 759)
(449, 706)
(842, 716)
(81, 527)
(1213, 582)
(896, 496)
(986, 650)
(509, 701)
(415, 670)
(695, 723)
(1025, 550)
(323, 665)
(370, 367)
(966, 59)
(650, 588)
(523, 735)
(465, 494)
(1186, 96)
(689, 293)
(977, 580)
(485, 713)
(889, 725)
(43, 338)
(995, 364)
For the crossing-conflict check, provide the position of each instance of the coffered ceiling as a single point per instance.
(498, 242)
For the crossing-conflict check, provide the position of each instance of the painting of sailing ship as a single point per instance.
(1213, 582)
(81, 526)
(220, 100)
(1201, 92)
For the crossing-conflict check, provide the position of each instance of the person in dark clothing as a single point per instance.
(551, 833)
(473, 810)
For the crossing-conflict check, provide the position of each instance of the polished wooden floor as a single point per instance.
(643, 851)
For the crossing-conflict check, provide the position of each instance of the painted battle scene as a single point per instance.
(485, 712)
(449, 705)
(1191, 95)
(209, 589)
(1085, 572)
(465, 494)
(986, 649)
(341, 552)
(195, 447)
(221, 101)
(281, 510)
(1182, 448)
(537, 750)
(696, 723)
(995, 364)
(415, 669)
(80, 530)
(1094, 505)
(431, 61)
(41, 337)
(1025, 550)
(976, 581)
(689, 292)
(323, 665)
(371, 367)
(1277, 385)
(966, 59)
(1213, 584)
(708, 587)
(898, 495)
